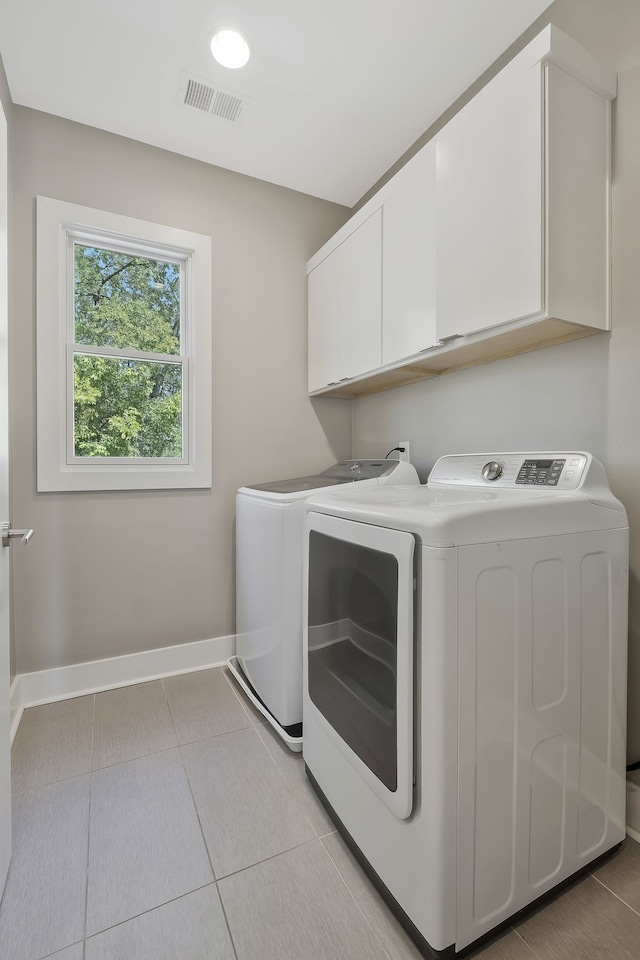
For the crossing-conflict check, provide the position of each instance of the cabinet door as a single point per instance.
(489, 161)
(409, 262)
(324, 322)
(361, 299)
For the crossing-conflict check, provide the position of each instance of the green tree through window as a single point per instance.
(126, 406)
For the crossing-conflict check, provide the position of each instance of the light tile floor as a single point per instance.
(165, 821)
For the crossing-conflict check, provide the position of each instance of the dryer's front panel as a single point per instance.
(360, 641)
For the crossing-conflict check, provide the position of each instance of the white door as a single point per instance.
(5, 754)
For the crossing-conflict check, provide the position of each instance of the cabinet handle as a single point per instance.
(454, 336)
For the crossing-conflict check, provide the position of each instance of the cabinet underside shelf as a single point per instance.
(460, 354)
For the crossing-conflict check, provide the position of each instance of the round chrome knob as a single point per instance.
(492, 470)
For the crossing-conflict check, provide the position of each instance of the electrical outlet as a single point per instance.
(407, 450)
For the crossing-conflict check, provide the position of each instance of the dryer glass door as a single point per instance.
(360, 649)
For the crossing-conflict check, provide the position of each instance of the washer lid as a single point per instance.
(296, 484)
(346, 471)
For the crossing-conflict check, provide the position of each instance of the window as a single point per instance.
(124, 352)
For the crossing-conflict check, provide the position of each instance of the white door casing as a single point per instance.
(5, 748)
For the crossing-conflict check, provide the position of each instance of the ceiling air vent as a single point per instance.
(199, 95)
(211, 98)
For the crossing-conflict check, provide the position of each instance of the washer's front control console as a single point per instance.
(517, 471)
(492, 470)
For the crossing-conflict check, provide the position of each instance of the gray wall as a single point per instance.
(583, 395)
(115, 573)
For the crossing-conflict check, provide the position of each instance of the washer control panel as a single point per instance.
(541, 472)
(517, 471)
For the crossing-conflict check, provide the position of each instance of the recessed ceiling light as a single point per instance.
(230, 48)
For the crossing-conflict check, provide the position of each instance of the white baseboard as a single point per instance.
(79, 679)
(15, 707)
(634, 834)
(633, 810)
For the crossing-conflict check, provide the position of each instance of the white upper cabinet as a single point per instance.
(522, 197)
(489, 206)
(345, 308)
(576, 195)
(324, 322)
(409, 261)
(493, 240)
(360, 298)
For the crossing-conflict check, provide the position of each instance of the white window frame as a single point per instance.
(60, 225)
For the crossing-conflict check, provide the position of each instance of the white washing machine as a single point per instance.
(465, 683)
(269, 527)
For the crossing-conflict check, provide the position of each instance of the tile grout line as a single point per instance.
(240, 699)
(23, 726)
(257, 727)
(614, 894)
(200, 739)
(281, 853)
(353, 897)
(534, 952)
(51, 783)
(52, 956)
(186, 776)
(197, 812)
(319, 836)
(119, 763)
(137, 916)
(255, 730)
(269, 754)
(133, 760)
(226, 920)
(173, 722)
(212, 882)
(283, 777)
(204, 840)
(86, 889)
(142, 711)
(286, 782)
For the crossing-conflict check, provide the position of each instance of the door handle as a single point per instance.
(9, 534)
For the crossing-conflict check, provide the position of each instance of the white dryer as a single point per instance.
(269, 538)
(465, 683)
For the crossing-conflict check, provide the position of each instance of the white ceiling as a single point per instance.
(339, 88)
